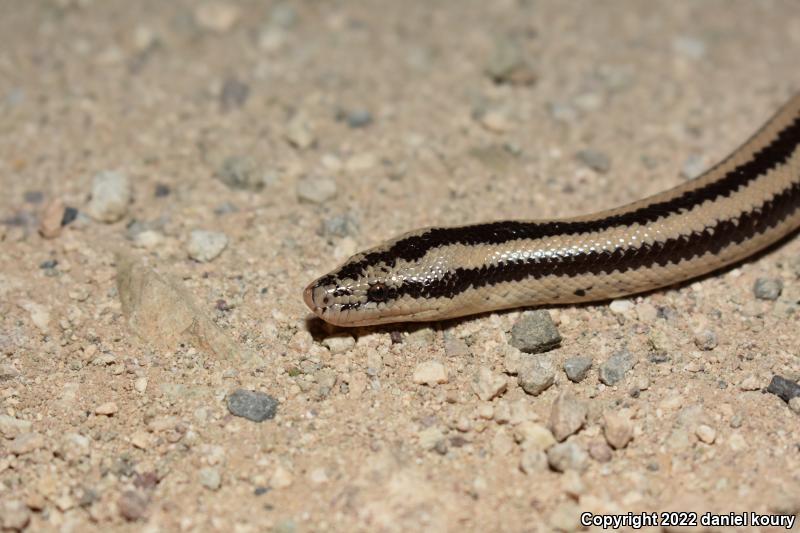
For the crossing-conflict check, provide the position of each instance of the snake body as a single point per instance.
(743, 204)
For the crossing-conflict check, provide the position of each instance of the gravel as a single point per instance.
(14, 514)
(783, 388)
(706, 339)
(240, 172)
(26, 443)
(50, 220)
(344, 225)
(594, 159)
(487, 384)
(357, 118)
(132, 505)
(210, 478)
(615, 368)
(693, 166)
(315, 189)
(567, 456)
(536, 375)
(706, 433)
(535, 332)
(618, 429)
(111, 194)
(430, 373)
(10, 427)
(567, 416)
(600, 451)
(205, 246)
(577, 367)
(533, 461)
(767, 288)
(234, 94)
(252, 405)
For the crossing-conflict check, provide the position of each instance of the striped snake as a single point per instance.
(746, 202)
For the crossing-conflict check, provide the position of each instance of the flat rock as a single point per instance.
(615, 368)
(577, 367)
(430, 373)
(252, 405)
(535, 332)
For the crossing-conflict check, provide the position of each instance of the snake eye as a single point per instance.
(378, 292)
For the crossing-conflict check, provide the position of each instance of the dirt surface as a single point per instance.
(304, 132)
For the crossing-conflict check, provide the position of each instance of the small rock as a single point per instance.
(618, 429)
(783, 388)
(536, 375)
(140, 385)
(148, 239)
(502, 443)
(11, 427)
(74, 447)
(794, 404)
(512, 361)
(340, 226)
(26, 443)
(281, 478)
(600, 451)
(767, 288)
(50, 222)
(252, 405)
(706, 339)
(577, 367)
(339, 343)
(535, 332)
(531, 435)
(620, 307)
(430, 373)
(298, 133)
(751, 382)
(14, 514)
(141, 439)
(358, 118)
(234, 94)
(487, 384)
(210, 478)
(615, 368)
(693, 166)
(706, 433)
(8, 372)
(567, 416)
(567, 456)
(106, 409)
(565, 517)
(533, 461)
(217, 16)
(456, 348)
(240, 172)
(690, 47)
(315, 189)
(204, 246)
(594, 159)
(111, 194)
(132, 505)
(430, 437)
(508, 64)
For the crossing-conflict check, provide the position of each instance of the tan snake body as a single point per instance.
(746, 202)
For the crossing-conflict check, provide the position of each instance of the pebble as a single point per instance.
(217, 16)
(621, 306)
(535, 332)
(14, 514)
(706, 433)
(783, 388)
(339, 343)
(26, 443)
(751, 382)
(531, 435)
(600, 451)
(8, 372)
(74, 447)
(567, 416)
(706, 339)
(767, 288)
(132, 505)
(577, 367)
(241, 172)
(148, 239)
(430, 373)
(508, 64)
(50, 221)
(430, 437)
(281, 478)
(340, 226)
(358, 118)
(141, 439)
(252, 405)
(315, 189)
(487, 384)
(456, 348)
(693, 166)
(536, 375)
(210, 478)
(10, 427)
(298, 133)
(111, 194)
(567, 456)
(594, 159)
(794, 404)
(502, 443)
(205, 246)
(615, 368)
(234, 94)
(106, 409)
(533, 461)
(618, 429)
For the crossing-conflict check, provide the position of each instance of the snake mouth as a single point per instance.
(308, 298)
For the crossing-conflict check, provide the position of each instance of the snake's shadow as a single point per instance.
(320, 329)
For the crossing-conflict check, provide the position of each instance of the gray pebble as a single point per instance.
(240, 172)
(577, 367)
(509, 64)
(594, 159)
(783, 388)
(358, 118)
(132, 505)
(234, 94)
(692, 167)
(767, 288)
(344, 225)
(706, 340)
(567, 456)
(252, 405)
(204, 246)
(315, 189)
(111, 194)
(536, 375)
(210, 478)
(615, 368)
(567, 416)
(535, 332)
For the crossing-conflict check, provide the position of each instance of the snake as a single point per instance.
(738, 207)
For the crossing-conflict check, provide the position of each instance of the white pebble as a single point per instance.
(111, 194)
(204, 246)
(430, 373)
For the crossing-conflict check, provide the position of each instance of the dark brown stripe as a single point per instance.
(712, 239)
(415, 247)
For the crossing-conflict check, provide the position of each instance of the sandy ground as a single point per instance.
(306, 131)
